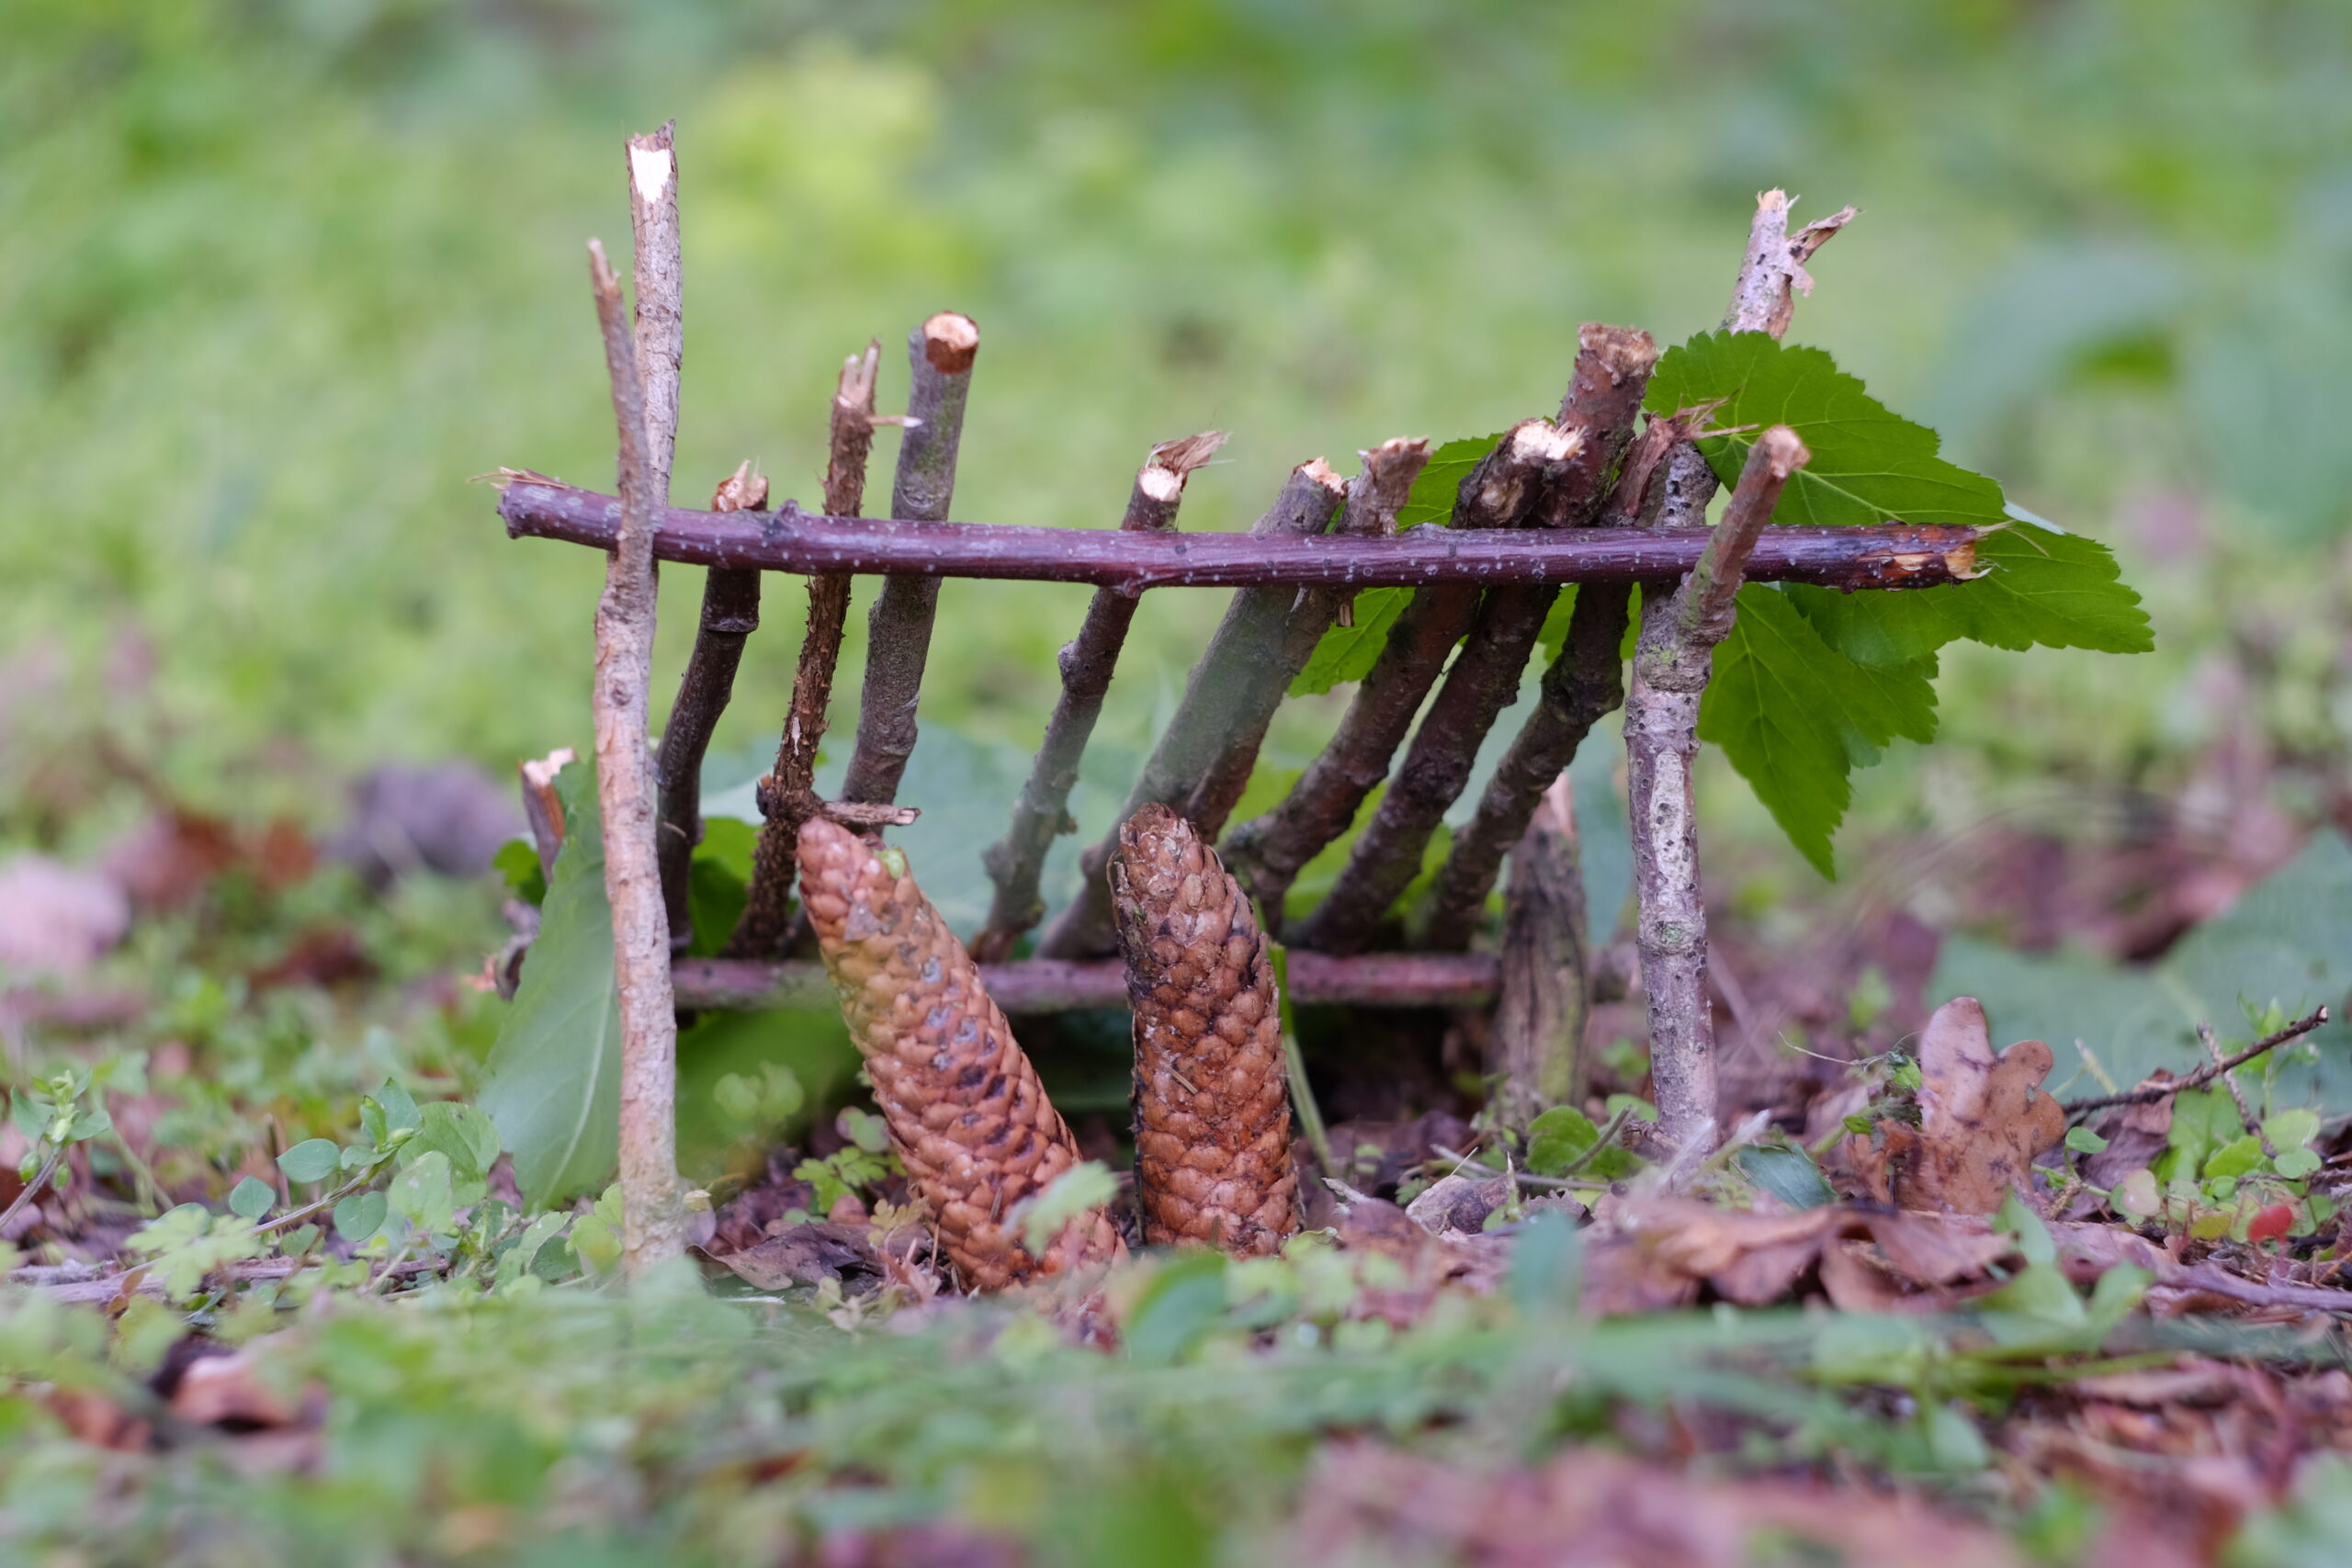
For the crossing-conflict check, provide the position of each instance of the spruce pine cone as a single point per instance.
(1212, 1101)
(966, 1111)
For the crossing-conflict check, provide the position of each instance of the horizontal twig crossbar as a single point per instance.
(1901, 555)
(1032, 985)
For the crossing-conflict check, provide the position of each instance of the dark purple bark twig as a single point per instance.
(790, 789)
(653, 1205)
(1898, 554)
(1041, 814)
(731, 613)
(1611, 372)
(1032, 985)
(1267, 853)
(1251, 637)
(1671, 666)
(898, 641)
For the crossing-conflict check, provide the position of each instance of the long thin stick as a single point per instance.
(1251, 637)
(1267, 853)
(1016, 861)
(897, 643)
(2203, 1075)
(1891, 556)
(731, 613)
(1535, 1049)
(1029, 986)
(653, 1207)
(1612, 370)
(791, 791)
(1672, 667)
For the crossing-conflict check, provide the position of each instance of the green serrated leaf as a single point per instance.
(718, 880)
(517, 864)
(1794, 716)
(1085, 1187)
(552, 1084)
(467, 1136)
(1431, 500)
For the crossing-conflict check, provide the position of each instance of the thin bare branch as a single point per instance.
(2151, 1093)
(1016, 861)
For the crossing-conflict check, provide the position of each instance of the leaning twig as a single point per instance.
(731, 613)
(1887, 555)
(31, 1189)
(1251, 637)
(1672, 667)
(2149, 1094)
(1041, 814)
(1268, 852)
(653, 1224)
(897, 643)
(1536, 1046)
(761, 930)
(1612, 370)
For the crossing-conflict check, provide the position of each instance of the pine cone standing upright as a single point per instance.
(966, 1111)
(1210, 1098)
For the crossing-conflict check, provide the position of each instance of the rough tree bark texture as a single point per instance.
(731, 613)
(791, 787)
(1538, 1035)
(966, 1111)
(1228, 674)
(1211, 1103)
(1027, 985)
(1267, 853)
(1375, 495)
(653, 1224)
(898, 641)
(1613, 371)
(1671, 666)
(1890, 555)
(1041, 814)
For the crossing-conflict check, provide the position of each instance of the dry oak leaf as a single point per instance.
(966, 1111)
(1984, 1118)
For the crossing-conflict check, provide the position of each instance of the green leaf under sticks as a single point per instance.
(552, 1084)
(1794, 716)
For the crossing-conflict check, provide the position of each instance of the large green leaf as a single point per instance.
(1794, 716)
(1347, 653)
(1870, 465)
(552, 1084)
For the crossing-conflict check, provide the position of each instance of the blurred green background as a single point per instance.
(278, 276)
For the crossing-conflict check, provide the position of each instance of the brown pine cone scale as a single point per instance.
(966, 1114)
(1212, 1100)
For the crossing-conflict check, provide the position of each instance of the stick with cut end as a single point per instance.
(1375, 495)
(1612, 370)
(1268, 852)
(1671, 666)
(1041, 814)
(653, 1205)
(1251, 637)
(1588, 678)
(761, 930)
(898, 629)
(731, 613)
(966, 1111)
(1212, 1100)
(1536, 1048)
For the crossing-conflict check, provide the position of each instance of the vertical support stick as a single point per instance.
(898, 642)
(1041, 814)
(1672, 667)
(654, 1224)
(1537, 1050)
(790, 794)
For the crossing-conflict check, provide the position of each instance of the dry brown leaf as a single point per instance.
(802, 1255)
(1983, 1120)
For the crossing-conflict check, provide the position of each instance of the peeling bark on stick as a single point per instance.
(1041, 814)
(731, 613)
(1671, 666)
(1251, 637)
(654, 1224)
(898, 644)
(1611, 373)
(762, 930)
(1268, 852)
(1537, 1043)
